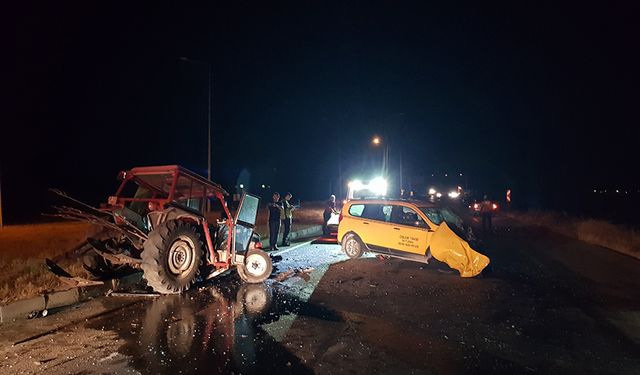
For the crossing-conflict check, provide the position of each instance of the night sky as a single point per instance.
(539, 98)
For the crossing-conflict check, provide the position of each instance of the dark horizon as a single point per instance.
(537, 98)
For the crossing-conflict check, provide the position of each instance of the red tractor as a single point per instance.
(158, 221)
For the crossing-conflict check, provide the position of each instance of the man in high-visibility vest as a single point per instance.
(287, 218)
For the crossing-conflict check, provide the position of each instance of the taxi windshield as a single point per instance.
(438, 215)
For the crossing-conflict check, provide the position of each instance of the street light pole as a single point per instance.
(209, 130)
(1, 222)
(400, 156)
(387, 144)
(208, 64)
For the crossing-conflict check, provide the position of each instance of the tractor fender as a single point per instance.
(173, 213)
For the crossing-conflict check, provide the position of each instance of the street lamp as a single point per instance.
(377, 141)
(385, 158)
(186, 59)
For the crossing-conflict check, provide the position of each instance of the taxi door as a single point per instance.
(352, 221)
(409, 231)
(374, 226)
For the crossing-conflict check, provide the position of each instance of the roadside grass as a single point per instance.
(603, 233)
(24, 247)
(22, 252)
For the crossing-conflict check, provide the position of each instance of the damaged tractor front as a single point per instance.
(157, 222)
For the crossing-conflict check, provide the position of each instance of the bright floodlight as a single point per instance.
(454, 194)
(376, 140)
(356, 185)
(378, 186)
(432, 191)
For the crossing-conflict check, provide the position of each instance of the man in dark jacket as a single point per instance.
(275, 212)
(329, 209)
(486, 210)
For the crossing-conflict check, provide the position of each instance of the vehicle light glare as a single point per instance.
(432, 191)
(438, 195)
(378, 186)
(453, 194)
(356, 185)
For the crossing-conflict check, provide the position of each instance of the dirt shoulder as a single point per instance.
(545, 307)
(61, 345)
(620, 238)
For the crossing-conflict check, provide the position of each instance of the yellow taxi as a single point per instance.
(403, 229)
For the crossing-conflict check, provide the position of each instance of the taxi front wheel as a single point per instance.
(352, 246)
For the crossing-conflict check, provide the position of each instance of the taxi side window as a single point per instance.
(406, 216)
(377, 212)
(356, 210)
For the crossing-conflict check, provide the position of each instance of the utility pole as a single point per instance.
(1, 222)
(209, 130)
(208, 64)
(400, 156)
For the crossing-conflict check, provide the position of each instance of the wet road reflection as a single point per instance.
(219, 328)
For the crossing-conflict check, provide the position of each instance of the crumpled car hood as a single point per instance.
(447, 247)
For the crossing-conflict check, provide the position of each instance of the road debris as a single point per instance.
(303, 273)
(132, 294)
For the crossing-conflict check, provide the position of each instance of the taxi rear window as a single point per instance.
(356, 210)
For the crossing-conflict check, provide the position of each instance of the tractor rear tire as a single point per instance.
(257, 267)
(172, 257)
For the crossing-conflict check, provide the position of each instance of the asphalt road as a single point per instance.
(548, 304)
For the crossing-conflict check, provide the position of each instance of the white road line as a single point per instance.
(279, 252)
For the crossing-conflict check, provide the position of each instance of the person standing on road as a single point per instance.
(486, 211)
(329, 209)
(287, 218)
(275, 213)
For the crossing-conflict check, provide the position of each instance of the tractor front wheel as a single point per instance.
(257, 267)
(172, 257)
